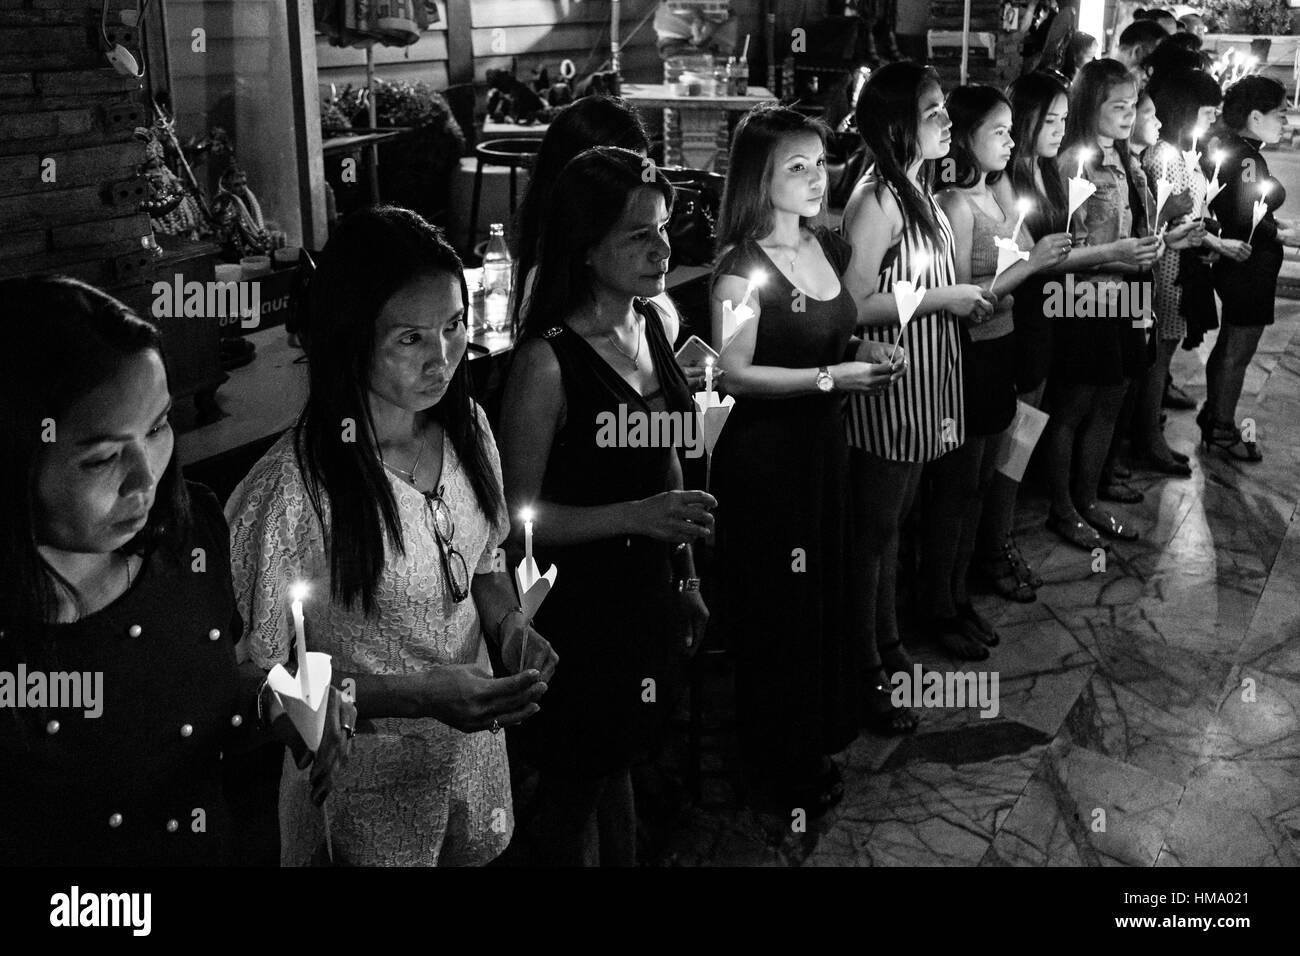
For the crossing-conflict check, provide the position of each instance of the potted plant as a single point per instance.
(415, 170)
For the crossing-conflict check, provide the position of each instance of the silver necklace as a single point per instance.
(634, 358)
(410, 475)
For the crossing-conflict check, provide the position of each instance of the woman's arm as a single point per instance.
(872, 225)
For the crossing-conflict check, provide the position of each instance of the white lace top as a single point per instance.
(415, 792)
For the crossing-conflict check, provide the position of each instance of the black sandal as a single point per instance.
(1009, 575)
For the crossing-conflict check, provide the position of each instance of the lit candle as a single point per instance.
(297, 592)
(708, 374)
(920, 262)
(756, 279)
(1218, 162)
(1024, 205)
(1085, 155)
(527, 515)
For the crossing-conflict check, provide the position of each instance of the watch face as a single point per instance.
(824, 381)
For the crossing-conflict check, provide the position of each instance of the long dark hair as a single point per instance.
(372, 254)
(1089, 91)
(887, 113)
(1178, 97)
(591, 121)
(968, 107)
(63, 339)
(588, 199)
(1031, 98)
(746, 198)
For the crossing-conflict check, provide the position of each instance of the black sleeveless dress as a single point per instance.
(792, 580)
(610, 616)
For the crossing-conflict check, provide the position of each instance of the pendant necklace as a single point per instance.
(409, 475)
(636, 356)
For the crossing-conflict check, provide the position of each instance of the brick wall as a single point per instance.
(68, 183)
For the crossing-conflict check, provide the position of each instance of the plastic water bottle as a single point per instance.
(498, 268)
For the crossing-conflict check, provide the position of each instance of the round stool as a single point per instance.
(511, 153)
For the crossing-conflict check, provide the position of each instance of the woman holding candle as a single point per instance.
(385, 499)
(1185, 102)
(1098, 352)
(1254, 113)
(982, 208)
(798, 647)
(614, 520)
(1039, 105)
(115, 567)
(899, 233)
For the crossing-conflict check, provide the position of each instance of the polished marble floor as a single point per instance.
(1150, 712)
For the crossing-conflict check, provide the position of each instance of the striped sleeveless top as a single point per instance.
(920, 418)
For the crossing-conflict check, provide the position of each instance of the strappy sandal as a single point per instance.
(1228, 441)
(880, 714)
(950, 633)
(1009, 575)
(1112, 526)
(1027, 574)
(1076, 531)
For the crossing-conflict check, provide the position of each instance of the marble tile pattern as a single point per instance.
(1149, 712)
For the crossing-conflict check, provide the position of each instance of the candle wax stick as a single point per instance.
(708, 375)
(528, 540)
(300, 641)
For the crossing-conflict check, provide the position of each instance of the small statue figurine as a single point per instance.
(238, 216)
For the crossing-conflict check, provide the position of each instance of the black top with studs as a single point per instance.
(141, 783)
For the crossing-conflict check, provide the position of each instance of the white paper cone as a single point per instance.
(1212, 189)
(308, 716)
(732, 319)
(1164, 189)
(908, 299)
(1009, 253)
(532, 586)
(1080, 190)
(1025, 431)
(712, 416)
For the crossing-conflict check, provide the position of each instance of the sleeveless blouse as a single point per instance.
(921, 417)
(984, 266)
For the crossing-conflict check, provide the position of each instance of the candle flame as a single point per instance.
(1023, 206)
(1265, 188)
(298, 591)
(525, 514)
(708, 361)
(920, 261)
(1219, 157)
(1085, 154)
(757, 277)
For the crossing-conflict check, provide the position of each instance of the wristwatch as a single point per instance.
(686, 585)
(825, 381)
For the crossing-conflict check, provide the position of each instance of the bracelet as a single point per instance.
(688, 585)
(502, 619)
